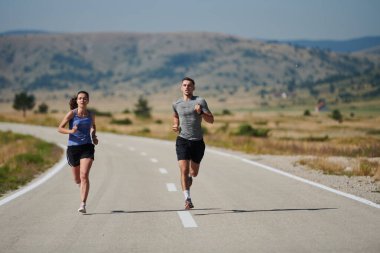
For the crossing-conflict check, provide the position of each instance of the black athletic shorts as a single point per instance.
(190, 150)
(75, 153)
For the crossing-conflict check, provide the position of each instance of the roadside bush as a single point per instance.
(336, 115)
(43, 108)
(99, 113)
(205, 130)
(125, 121)
(223, 129)
(316, 138)
(248, 130)
(226, 112)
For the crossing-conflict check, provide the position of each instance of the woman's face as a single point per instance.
(82, 99)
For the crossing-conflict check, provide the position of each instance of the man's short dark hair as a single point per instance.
(188, 79)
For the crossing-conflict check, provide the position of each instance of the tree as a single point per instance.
(337, 116)
(23, 101)
(142, 109)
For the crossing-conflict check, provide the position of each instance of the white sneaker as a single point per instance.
(82, 208)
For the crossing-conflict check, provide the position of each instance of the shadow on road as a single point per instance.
(216, 211)
(235, 211)
(150, 211)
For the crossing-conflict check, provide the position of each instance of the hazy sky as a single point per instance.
(265, 19)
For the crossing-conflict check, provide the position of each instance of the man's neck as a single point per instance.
(187, 97)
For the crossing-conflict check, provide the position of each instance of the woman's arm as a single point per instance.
(93, 131)
(62, 126)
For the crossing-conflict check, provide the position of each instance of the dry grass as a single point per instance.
(361, 167)
(290, 133)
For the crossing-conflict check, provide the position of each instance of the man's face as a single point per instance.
(187, 87)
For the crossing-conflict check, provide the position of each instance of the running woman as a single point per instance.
(82, 137)
(188, 114)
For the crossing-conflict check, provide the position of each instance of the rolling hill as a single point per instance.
(232, 70)
(346, 46)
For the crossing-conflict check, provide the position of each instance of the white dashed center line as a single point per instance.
(171, 187)
(187, 219)
(163, 171)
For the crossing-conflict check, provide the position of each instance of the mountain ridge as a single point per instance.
(347, 46)
(131, 64)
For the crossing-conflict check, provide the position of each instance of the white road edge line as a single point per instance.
(186, 219)
(153, 160)
(321, 186)
(163, 171)
(54, 170)
(171, 187)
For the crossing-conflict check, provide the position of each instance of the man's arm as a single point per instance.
(205, 114)
(208, 117)
(175, 126)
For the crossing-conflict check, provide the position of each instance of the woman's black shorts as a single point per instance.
(190, 150)
(75, 153)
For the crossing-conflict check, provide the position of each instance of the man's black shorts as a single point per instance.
(190, 150)
(75, 153)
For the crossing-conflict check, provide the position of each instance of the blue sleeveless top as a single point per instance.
(82, 135)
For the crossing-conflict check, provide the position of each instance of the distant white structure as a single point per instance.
(321, 105)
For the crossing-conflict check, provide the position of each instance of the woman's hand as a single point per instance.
(74, 129)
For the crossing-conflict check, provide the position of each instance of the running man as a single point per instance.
(82, 137)
(188, 114)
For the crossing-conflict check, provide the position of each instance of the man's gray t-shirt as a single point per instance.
(190, 120)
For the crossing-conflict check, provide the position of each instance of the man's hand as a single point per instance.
(198, 109)
(175, 128)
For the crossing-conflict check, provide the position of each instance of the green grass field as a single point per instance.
(22, 157)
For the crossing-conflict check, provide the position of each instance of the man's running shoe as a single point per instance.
(189, 181)
(188, 204)
(82, 208)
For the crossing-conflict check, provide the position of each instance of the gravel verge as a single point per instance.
(361, 186)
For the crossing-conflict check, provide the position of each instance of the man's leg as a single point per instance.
(184, 168)
(194, 168)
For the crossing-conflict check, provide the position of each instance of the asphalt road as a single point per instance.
(136, 205)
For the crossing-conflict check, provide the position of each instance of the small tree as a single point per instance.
(43, 108)
(337, 116)
(142, 109)
(23, 101)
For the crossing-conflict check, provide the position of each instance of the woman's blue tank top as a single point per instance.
(82, 136)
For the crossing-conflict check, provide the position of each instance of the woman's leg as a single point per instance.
(85, 166)
(76, 175)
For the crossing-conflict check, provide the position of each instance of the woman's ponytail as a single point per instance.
(73, 103)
